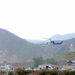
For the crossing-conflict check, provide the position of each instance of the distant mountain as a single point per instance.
(16, 49)
(63, 37)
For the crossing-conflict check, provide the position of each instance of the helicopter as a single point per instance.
(54, 42)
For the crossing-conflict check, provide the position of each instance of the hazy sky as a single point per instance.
(34, 19)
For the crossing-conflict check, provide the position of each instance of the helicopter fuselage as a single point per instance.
(56, 43)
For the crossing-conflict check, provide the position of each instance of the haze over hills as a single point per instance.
(16, 49)
(36, 41)
(63, 37)
(55, 37)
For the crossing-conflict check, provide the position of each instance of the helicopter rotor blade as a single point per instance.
(47, 38)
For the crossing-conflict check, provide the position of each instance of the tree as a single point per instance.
(38, 61)
(51, 61)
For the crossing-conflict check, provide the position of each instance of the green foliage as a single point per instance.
(42, 72)
(20, 71)
(53, 72)
(26, 72)
(38, 61)
(51, 61)
(10, 73)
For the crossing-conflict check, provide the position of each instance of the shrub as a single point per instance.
(67, 72)
(53, 72)
(19, 71)
(42, 72)
(2, 72)
(72, 72)
(10, 73)
(61, 73)
(26, 72)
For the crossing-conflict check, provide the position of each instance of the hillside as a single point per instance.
(16, 49)
(67, 56)
(12, 47)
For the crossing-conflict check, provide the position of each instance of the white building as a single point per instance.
(45, 66)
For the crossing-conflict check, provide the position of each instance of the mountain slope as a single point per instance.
(16, 49)
(12, 46)
(68, 56)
